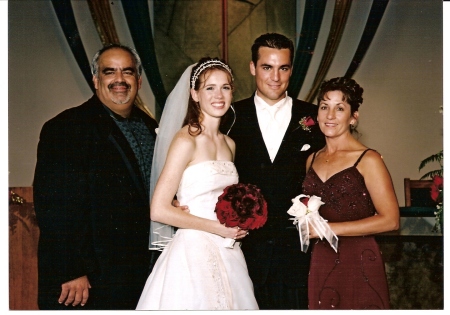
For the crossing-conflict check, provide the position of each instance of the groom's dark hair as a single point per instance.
(272, 40)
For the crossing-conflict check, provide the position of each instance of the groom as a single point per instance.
(271, 151)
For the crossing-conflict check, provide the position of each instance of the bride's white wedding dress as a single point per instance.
(196, 271)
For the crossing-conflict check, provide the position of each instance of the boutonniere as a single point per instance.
(307, 123)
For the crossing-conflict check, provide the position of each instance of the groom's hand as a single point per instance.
(75, 291)
(176, 203)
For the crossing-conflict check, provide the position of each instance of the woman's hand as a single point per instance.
(240, 234)
(235, 233)
(312, 232)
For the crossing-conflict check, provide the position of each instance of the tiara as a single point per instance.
(208, 64)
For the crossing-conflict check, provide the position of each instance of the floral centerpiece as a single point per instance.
(305, 209)
(437, 189)
(241, 205)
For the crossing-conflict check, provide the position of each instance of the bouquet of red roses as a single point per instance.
(241, 205)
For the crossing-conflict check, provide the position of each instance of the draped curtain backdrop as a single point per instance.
(373, 21)
(138, 20)
(66, 18)
(312, 20)
(341, 10)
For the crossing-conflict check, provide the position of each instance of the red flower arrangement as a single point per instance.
(437, 194)
(307, 123)
(242, 205)
(436, 188)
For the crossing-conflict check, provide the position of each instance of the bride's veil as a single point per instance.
(171, 120)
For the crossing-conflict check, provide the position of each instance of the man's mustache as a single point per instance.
(111, 85)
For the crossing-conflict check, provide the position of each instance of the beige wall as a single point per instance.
(401, 75)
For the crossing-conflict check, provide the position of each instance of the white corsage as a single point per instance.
(305, 209)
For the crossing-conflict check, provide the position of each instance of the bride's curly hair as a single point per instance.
(350, 89)
(194, 114)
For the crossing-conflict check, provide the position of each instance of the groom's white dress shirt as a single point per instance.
(273, 121)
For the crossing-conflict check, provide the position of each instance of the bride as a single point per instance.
(195, 271)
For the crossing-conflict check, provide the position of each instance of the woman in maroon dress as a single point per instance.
(360, 201)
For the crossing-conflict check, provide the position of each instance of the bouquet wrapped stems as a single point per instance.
(305, 209)
(229, 242)
(321, 227)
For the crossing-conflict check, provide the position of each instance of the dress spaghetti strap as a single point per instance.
(360, 157)
(314, 157)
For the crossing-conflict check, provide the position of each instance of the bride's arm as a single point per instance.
(180, 153)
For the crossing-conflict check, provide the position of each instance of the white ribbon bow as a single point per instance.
(306, 215)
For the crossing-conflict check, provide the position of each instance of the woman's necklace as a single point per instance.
(328, 158)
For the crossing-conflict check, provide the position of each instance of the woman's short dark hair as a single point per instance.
(351, 91)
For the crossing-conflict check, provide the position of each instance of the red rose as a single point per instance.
(309, 121)
(304, 200)
(242, 205)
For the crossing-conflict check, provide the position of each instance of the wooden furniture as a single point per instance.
(23, 244)
(413, 257)
(417, 193)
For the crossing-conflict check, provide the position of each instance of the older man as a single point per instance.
(91, 193)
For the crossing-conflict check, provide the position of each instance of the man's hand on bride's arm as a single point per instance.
(75, 291)
(232, 232)
(176, 203)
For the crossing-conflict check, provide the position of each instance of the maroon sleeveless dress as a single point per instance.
(354, 277)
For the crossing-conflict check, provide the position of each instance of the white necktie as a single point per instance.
(272, 132)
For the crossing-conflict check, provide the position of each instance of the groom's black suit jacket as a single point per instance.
(276, 246)
(92, 208)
